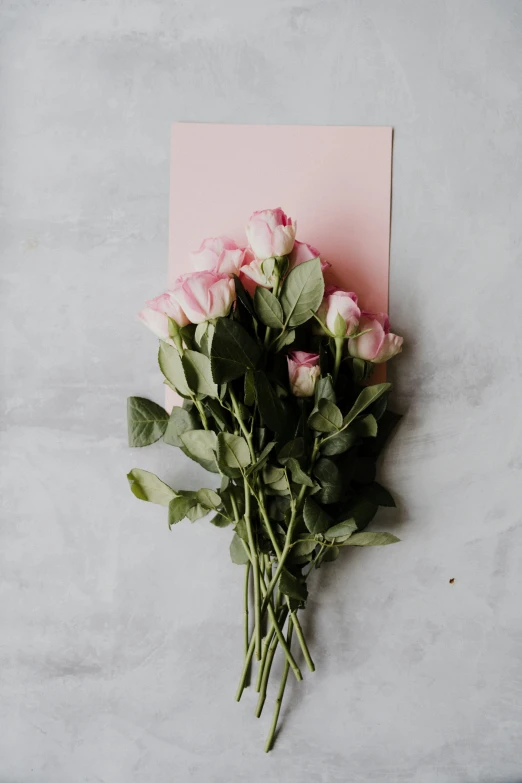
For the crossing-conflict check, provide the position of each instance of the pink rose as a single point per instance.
(344, 303)
(204, 295)
(303, 372)
(257, 272)
(218, 254)
(270, 233)
(302, 252)
(377, 345)
(155, 314)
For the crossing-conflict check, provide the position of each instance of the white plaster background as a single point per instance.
(120, 642)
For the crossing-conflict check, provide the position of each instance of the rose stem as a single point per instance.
(266, 673)
(293, 615)
(279, 699)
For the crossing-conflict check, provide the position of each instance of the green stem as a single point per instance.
(339, 343)
(266, 674)
(275, 291)
(255, 567)
(293, 616)
(245, 596)
(291, 526)
(279, 699)
(246, 668)
(244, 429)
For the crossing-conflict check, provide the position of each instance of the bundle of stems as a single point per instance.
(294, 437)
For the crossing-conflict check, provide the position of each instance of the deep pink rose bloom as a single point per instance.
(204, 295)
(303, 372)
(218, 254)
(303, 252)
(155, 314)
(270, 233)
(377, 345)
(338, 301)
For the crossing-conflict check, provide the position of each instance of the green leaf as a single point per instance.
(294, 448)
(270, 406)
(233, 452)
(218, 413)
(238, 553)
(298, 475)
(293, 587)
(326, 418)
(371, 539)
(275, 479)
(387, 423)
(332, 483)
(338, 444)
(197, 511)
(339, 326)
(199, 374)
(203, 336)
(316, 519)
(179, 508)
(268, 308)
(362, 511)
(262, 458)
(172, 368)
(208, 498)
(359, 369)
(220, 520)
(200, 443)
(366, 427)
(284, 339)
(146, 421)
(324, 389)
(304, 547)
(368, 395)
(302, 292)
(180, 421)
(379, 495)
(250, 389)
(345, 528)
(147, 486)
(331, 554)
(233, 351)
(243, 296)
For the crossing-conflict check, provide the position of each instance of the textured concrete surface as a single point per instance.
(120, 641)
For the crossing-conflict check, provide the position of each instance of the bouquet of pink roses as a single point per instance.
(273, 368)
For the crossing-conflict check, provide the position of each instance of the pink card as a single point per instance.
(335, 182)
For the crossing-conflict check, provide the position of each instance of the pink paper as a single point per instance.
(334, 181)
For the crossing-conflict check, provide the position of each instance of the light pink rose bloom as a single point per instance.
(338, 301)
(377, 345)
(270, 233)
(303, 252)
(204, 295)
(303, 372)
(155, 314)
(253, 274)
(218, 254)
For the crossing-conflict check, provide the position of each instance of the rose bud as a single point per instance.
(218, 254)
(256, 273)
(303, 372)
(302, 252)
(204, 295)
(377, 344)
(270, 233)
(157, 313)
(338, 302)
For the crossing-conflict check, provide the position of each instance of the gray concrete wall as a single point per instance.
(120, 645)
